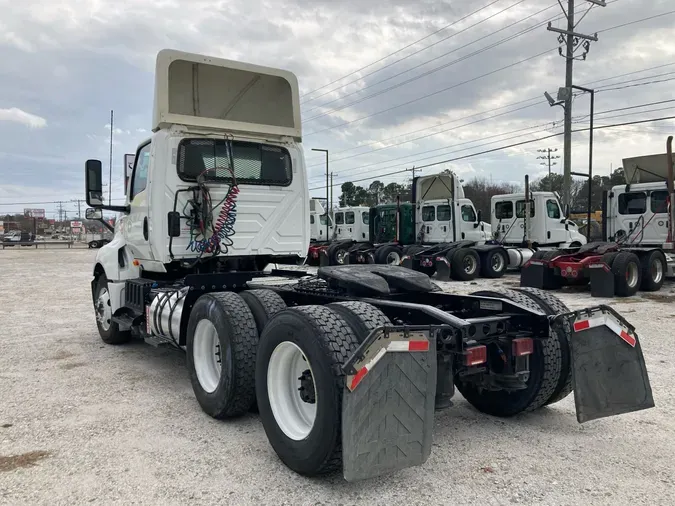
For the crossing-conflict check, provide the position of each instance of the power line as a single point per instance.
(498, 108)
(392, 54)
(501, 148)
(502, 41)
(454, 86)
(483, 144)
(467, 124)
(524, 60)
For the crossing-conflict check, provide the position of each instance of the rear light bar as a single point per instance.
(522, 346)
(475, 355)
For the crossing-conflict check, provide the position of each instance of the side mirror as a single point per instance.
(93, 214)
(93, 183)
(480, 216)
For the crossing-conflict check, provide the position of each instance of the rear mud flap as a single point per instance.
(536, 274)
(610, 375)
(443, 272)
(388, 404)
(602, 280)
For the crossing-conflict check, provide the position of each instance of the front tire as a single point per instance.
(388, 255)
(108, 329)
(318, 341)
(221, 347)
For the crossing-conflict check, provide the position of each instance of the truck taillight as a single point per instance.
(522, 346)
(475, 355)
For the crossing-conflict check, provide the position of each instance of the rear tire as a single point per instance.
(309, 444)
(494, 263)
(627, 274)
(108, 330)
(221, 348)
(337, 253)
(264, 304)
(654, 267)
(545, 371)
(552, 305)
(361, 317)
(388, 255)
(464, 264)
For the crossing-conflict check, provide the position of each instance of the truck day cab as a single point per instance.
(220, 191)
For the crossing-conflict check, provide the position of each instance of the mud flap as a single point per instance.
(610, 375)
(407, 262)
(388, 403)
(602, 280)
(443, 269)
(536, 274)
(324, 259)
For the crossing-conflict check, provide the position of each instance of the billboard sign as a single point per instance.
(34, 213)
(128, 168)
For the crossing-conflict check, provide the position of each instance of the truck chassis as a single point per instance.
(331, 361)
(610, 269)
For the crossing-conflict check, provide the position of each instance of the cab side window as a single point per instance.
(468, 214)
(140, 177)
(552, 209)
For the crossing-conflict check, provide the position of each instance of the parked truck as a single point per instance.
(637, 248)
(321, 231)
(330, 360)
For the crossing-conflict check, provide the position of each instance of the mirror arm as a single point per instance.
(117, 209)
(107, 225)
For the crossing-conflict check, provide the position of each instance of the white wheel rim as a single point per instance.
(294, 416)
(469, 264)
(340, 256)
(657, 270)
(206, 355)
(498, 262)
(103, 309)
(632, 275)
(393, 258)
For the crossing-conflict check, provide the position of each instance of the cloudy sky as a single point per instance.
(385, 84)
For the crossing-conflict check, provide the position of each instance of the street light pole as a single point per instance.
(327, 188)
(590, 159)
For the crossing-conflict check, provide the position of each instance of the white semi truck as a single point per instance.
(331, 360)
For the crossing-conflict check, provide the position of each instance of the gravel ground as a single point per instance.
(81, 422)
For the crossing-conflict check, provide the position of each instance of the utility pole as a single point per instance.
(327, 185)
(330, 208)
(111, 159)
(548, 157)
(572, 41)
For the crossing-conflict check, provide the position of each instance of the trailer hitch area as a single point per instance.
(609, 371)
(388, 402)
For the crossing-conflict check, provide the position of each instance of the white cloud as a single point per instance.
(19, 116)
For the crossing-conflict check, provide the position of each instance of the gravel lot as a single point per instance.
(81, 422)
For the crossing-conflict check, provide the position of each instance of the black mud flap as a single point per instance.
(602, 280)
(537, 274)
(388, 403)
(407, 262)
(324, 259)
(443, 269)
(610, 375)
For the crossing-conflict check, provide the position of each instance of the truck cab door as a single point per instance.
(656, 218)
(555, 224)
(137, 229)
(469, 227)
(428, 231)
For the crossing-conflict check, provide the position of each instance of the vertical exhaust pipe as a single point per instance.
(671, 190)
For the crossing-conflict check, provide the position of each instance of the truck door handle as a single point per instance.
(145, 228)
(548, 234)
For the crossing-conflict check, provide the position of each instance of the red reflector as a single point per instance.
(475, 355)
(358, 377)
(583, 325)
(418, 345)
(628, 338)
(522, 346)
